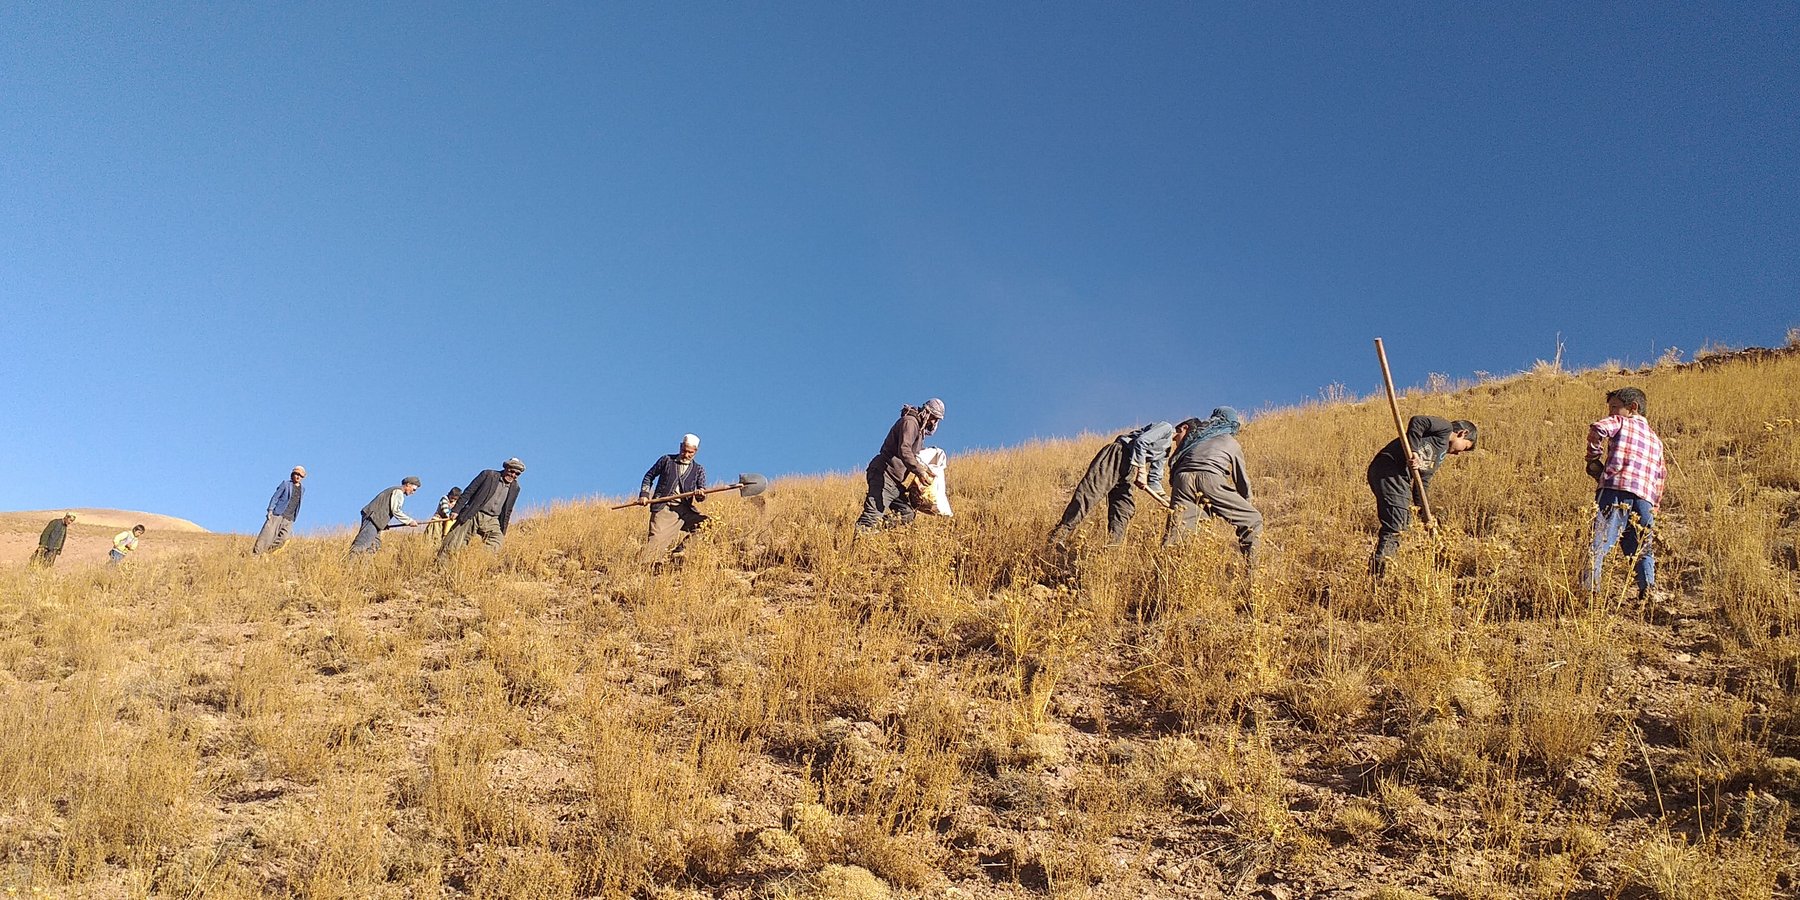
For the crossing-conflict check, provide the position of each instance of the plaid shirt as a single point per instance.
(1632, 454)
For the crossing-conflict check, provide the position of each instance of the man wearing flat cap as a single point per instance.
(670, 523)
(886, 503)
(284, 507)
(485, 508)
(379, 515)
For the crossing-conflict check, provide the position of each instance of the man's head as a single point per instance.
(409, 484)
(934, 413)
(1185, 428)
(68, 518)
(297, 475)
(511, 470)
(137, 529)
(1626, 401)
(690, 445)
(455, 492)
(1463, 435)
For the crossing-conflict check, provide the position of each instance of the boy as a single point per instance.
(1432, 440)
(125, 543)
(1625, 457)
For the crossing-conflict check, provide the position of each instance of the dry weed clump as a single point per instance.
(787, 711)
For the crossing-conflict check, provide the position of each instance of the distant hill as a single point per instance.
(110, 518)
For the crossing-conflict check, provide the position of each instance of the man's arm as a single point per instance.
(910, 443)
(649, 477)
(512, 495)
(699, 479)
(395, 498)
(277, 502)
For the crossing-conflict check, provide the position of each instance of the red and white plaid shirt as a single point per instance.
(1633, 455)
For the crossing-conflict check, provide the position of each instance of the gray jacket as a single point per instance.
(1222, 456)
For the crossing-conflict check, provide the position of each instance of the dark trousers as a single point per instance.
(1195, 495)
(1394, 499)
(1107, 476)
(886, 498)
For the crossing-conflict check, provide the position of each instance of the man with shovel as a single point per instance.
(485, 508)
(671, 522)
(1431, 440)
(379, 515)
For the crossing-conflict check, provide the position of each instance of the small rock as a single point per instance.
(1683, 658)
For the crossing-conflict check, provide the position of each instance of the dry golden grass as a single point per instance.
(788, 712)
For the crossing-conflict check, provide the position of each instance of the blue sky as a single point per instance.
(419, 239)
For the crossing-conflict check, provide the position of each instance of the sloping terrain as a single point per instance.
(951, 709)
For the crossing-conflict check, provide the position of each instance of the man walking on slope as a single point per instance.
(1432, 439)
(1625, 457)
(485, 508)
(51, 540)
(1207, 478)
(284, 507)
(887, 504)
(673, 473)
(1113, 472)
(380, 512)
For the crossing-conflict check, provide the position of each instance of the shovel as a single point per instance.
(1412, 465)
(749, 484)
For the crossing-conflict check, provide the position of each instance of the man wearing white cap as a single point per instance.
(673, 473)
(887, 503)
(284, 507)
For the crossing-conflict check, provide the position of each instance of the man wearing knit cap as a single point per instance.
(670, 523)
(886, 503)
(284, 507)
(379, 515)
(485, 508)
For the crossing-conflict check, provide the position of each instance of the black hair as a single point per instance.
(1630, 396)
(1468, 426)
(1191, 423)
(456, 492)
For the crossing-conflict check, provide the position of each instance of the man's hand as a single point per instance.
(925, 479)
(643, 496)
(1423, 459)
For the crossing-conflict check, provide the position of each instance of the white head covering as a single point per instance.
(690, 440)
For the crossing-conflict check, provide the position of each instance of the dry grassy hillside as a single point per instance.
(949, 711)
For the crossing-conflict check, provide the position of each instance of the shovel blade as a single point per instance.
(750, 484)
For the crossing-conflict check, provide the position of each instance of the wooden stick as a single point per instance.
(1412, 465)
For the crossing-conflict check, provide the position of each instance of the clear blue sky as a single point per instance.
(418, 239)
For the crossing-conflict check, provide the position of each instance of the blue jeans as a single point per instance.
(1614, 523)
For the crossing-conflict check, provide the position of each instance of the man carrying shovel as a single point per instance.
(380, 513)
(671, 522)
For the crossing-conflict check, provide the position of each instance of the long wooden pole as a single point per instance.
(1412, 465)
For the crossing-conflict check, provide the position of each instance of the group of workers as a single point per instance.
(1203, 465)
(56, 535)
(484, 509)
(1194, 468)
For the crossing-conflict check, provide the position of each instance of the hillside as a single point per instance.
(950, 710)
(91, 538)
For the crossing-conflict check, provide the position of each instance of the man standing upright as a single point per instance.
(898, 457)
(284, 507)
(485, 508)
(380, 513)
(1432, 440)
(1626, 459)
(673, 473)
(51, 540)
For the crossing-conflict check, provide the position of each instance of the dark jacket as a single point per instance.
(380, 510)
(476, 495)
(900, 452)
(1222, 456)
(1423, 433)
(666, 472)
(54, 535)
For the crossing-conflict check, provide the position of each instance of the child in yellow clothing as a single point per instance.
(124, 544)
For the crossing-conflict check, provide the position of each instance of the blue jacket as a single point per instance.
(285, 491)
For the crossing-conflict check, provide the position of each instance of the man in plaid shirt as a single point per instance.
(1626, 458)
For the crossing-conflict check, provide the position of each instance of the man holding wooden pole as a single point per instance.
(1401, 472)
